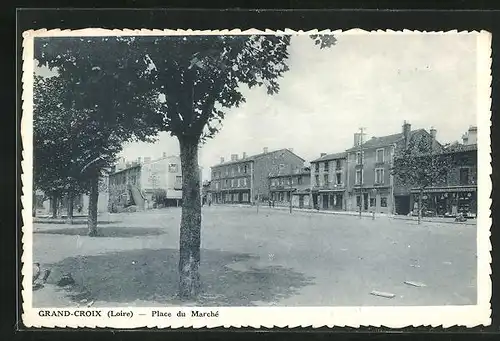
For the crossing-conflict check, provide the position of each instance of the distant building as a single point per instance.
(163, 174)
(329, 181)
(146, 183)
(205, 193)
(370, 184)
(458, 192)
(470, 136)
(295, 186)
(246, 180)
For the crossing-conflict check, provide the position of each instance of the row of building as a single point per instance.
(358, 178)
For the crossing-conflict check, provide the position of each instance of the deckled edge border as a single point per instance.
(478, 315)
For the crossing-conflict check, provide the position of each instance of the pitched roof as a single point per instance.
(331, 157)
(383, 141)
(254, 157)
(458, 147)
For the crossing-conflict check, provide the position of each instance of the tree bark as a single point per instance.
(93, 198)
(420, 205)
(53, 200)
(70, 207)
(190, 231)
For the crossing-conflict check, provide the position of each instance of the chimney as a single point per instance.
(406, 133)
(234, 157)
(323, 154)
(433, 132)
(358, 139)
(290, 149)
(222, 159)
(139, 159)
(147, 159)
(266, 150)
(472, 134)
(244, 155)
(164, 154)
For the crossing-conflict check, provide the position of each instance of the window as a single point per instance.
(213, 175)
(288, 181)
(359, 158)
(326, 166)
(358, 200)
(372, 202)
(299, 180)
(239, 169)
(338, 164)
(316, 180)
(217, 185)
(317, 167)
(238, 183)
(173, 168)
(226, 183)
(325, 179)
(178, 182)
(244, 182)
(227, 171)
(232, 182)
(245, 169)
(282, 198)
(339, 178)
(359, 177)
(383, 202)
(232, 171)
(379, 176)
(464, 176)
(380, 155)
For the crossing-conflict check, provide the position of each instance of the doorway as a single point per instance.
(325, 201)
(365, 201)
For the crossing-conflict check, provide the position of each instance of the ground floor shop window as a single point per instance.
(383, 202)
(358, 200)
(245, 197)
(373, 202)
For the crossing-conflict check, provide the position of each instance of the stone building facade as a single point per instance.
(246, 180)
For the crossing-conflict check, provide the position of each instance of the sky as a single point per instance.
(374, 81)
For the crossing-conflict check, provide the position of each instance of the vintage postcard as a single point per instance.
(178, 178)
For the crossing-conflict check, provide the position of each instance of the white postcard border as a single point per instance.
(393, 317)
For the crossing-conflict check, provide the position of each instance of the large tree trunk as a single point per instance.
(93, 197)
(53, 201)
(190, 233)
(70, 207)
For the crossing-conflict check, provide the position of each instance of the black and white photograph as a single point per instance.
(256, 178)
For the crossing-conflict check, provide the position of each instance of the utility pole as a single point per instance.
(291, 190)
(361, 132)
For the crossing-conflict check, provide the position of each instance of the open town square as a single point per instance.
(260, 256)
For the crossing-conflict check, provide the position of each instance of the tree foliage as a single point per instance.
(134, 87)
(421, 165)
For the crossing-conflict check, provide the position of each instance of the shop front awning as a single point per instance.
(450, 189)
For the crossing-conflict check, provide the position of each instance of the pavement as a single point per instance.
(269, 257)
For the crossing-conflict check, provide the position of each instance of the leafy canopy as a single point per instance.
(177, 84)
(421, 165)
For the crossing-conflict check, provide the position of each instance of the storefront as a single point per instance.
(446, 201)
(330, 199)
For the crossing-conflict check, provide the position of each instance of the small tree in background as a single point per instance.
(420, 166)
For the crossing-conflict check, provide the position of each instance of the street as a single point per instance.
(264, 258)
